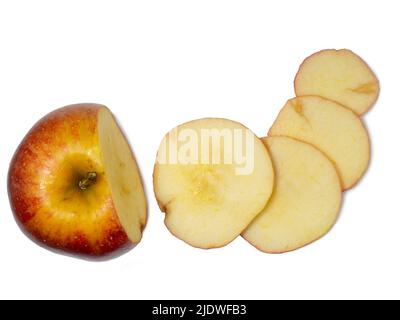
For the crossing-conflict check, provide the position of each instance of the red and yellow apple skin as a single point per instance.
(44, 189)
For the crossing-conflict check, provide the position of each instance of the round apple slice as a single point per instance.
(339, 75)
(305, 202)
(74, 184)
(335, 130)
(212, 177)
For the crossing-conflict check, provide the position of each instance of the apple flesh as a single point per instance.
(208, 204)
(335, 130)
(74, 185)
(305, 202)
(338, 75)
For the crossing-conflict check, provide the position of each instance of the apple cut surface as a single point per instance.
(208, 204)
(339, 75)
(335, 130)
(74, 185)
(305, 202)
(123, 176)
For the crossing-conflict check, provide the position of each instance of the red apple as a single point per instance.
(74, 185)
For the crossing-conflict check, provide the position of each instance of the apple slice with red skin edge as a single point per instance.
(208, 205)
(306, 199)
(334, 129)
(74, 185)
(338, 75)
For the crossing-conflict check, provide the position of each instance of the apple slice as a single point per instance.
(339, 75)
(74, 184)
(335, 130)
(212, 177)
(305, 202)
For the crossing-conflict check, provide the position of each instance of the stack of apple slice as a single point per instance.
(318, 147)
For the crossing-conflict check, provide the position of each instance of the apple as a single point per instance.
(338, 75)
(212, 177)
(335, 130)
(305, 202)
(74, 185)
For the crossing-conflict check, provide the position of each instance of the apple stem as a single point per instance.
(90, 179)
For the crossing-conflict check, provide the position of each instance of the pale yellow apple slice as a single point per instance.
(335, 130)
(339, 75)
(305, 202)
(209, 203)
(123, 176)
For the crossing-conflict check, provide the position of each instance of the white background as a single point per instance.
(157, 64)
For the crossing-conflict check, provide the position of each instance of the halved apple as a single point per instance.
(339, 75)
(212, 177)
(305, 202)
(335, 130)
(74, 184)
